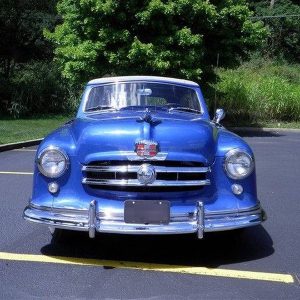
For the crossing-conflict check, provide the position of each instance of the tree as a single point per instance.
(284, 38)
(25, 56)
(179, 38)
(21, 31)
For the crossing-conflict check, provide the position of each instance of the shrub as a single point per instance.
(39, 89)
(260, 91)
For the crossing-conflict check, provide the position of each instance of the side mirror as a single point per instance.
(219, 115)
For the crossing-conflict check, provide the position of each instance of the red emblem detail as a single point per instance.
(146, 148)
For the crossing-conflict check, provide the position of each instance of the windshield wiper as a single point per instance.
(100, 107)
(184, 108)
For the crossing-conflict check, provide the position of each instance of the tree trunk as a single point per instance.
(272, 2)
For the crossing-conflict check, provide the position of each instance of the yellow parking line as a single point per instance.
(283, 278)
(15, 173)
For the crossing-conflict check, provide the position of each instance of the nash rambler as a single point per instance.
(143, 157)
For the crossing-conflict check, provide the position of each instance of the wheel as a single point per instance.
(57, 234)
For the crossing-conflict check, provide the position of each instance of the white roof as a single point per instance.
(142, 78)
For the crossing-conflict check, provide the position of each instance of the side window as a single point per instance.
(100, 96)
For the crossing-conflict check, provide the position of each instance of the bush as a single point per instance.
(260, 91)
(37, 88)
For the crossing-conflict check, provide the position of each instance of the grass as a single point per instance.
(17, 130)
(260, 92)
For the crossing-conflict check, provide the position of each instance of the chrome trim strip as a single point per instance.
(134, 157)
(234, 211)
(124, 228)
(135, 182)
(68, 210)
(158, 169)
(119, 217)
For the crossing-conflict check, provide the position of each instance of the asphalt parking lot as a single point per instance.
(262, 262)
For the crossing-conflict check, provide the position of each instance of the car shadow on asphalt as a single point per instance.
(256, 133)
(216, 249)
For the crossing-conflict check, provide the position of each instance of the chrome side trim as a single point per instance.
(135, 182)
(158, 169)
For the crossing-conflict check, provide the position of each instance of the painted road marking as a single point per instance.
(15, 173)
(283, 278)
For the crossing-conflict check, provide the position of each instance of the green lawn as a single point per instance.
(28, 129)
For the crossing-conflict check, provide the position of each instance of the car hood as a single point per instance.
(110, 135)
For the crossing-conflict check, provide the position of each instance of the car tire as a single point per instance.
(57, 234)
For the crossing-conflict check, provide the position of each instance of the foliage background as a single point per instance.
(178, 38)
(48, 50)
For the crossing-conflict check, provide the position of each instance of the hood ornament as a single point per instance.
(147, 117)
(146, 148)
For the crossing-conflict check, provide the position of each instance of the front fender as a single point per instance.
(227, 140)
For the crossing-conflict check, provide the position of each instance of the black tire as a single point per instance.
(58, 235)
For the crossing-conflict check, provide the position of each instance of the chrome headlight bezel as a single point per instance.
(235, 153)
(60, 152)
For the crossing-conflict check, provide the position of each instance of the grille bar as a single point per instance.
(158, 169)
(135, 182)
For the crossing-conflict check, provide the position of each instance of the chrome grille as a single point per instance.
(122, 175)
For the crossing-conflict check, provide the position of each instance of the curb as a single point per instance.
(262, 129)
(22, 144)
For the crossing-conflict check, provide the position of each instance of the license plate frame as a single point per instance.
(147, 212)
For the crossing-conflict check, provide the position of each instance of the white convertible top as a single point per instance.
(142, 78)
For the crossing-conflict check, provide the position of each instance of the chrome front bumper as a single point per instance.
(196, 221)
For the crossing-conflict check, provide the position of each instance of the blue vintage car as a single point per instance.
(143, 157)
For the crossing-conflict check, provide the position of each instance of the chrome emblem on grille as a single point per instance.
(146, 148)
(146, 174)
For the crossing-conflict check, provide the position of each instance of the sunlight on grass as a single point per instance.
(28, 129)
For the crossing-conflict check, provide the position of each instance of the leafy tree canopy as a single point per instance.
(179, 38)
(284, 32)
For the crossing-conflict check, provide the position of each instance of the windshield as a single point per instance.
(136, 95)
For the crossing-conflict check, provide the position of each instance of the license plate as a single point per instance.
(147, 212)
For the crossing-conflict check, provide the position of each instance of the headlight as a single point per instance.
(238, 164)
(52, 162)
